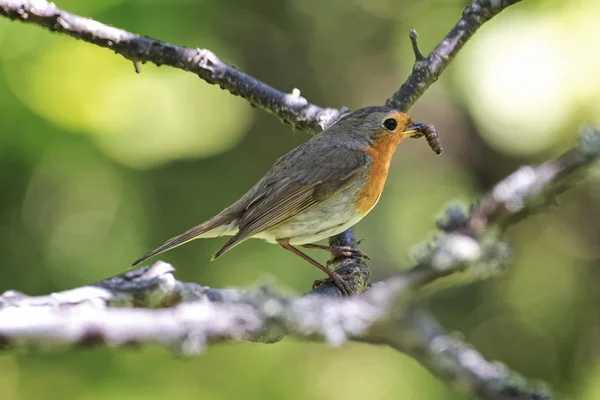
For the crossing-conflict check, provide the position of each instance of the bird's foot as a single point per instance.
(339, 281)
(338, 252)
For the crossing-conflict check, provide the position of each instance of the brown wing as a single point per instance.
(295, 184)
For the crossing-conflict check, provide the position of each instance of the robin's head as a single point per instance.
(375, 123)
(385, 125)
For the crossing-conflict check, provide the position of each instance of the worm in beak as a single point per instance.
(419, 129)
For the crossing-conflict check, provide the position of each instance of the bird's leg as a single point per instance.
(338, 251)
(342, 285)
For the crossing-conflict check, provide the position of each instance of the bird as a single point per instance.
(317, 190)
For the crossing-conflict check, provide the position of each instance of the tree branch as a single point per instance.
(289, 107)
(200, 316)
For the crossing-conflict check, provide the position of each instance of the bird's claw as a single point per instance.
(339, 280)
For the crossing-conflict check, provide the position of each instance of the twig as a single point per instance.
(413, 36)
(427, 70)
(137, 67)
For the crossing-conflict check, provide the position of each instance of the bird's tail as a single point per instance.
(218, 225)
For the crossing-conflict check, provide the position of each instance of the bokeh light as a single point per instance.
(521, 82)
(519, 92)
(139, 120)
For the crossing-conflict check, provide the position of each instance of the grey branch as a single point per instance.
(149, 306)
(200, 316)
(289, 107)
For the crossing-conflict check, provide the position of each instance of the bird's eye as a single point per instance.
(390, 124)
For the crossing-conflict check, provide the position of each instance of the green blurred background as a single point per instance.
(99, 165)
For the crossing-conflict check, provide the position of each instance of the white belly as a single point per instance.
(320, 222)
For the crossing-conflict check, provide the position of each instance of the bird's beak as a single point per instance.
(412, 129)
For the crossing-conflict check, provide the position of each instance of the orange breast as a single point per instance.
(381, 153)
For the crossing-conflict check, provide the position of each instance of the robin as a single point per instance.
(317, 190)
